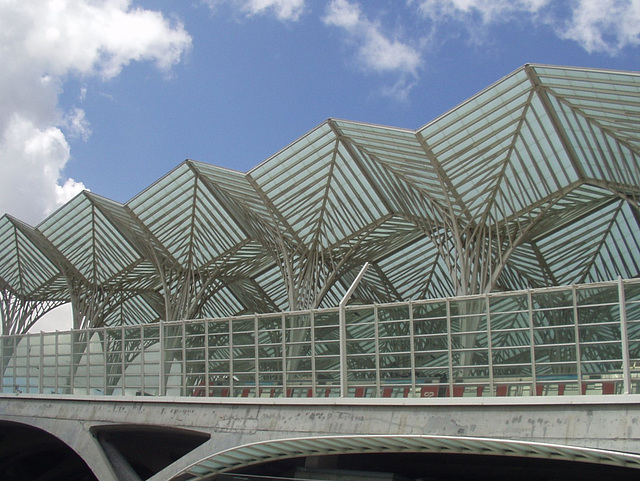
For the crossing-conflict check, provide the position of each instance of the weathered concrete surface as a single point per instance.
(604, 422)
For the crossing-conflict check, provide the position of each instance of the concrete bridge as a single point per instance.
(179, 439)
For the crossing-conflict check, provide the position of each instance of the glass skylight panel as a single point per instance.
(299, 150)
(319, 157)
(488, 97)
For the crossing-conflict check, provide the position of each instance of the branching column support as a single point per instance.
(18, 315)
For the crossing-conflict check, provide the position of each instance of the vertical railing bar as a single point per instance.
(3, 340)
(577, 334)
(532, 347)
(162, 368)
(56, 366)
(231, 372)
(412, 347)
(285, 370)
(624, 330)
(449, 339)
(105, 364)
(207, 375)
(104, 360)
(183, 326)
(314, 375)
(41, 364)
(72, 365)
(143, 387)
(28, 364)
(376, 334)
(123, 365)
(256, 352)
(15, 361)
(489, 344)
(87, 357)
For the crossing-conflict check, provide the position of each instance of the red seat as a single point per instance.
(429, 391)
(608, 387)
(458, 391)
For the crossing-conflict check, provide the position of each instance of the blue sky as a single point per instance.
(109, 95)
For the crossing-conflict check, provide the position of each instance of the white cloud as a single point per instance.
(31, 160)
(488, 11)
(376, 51)
(604, 25)
(77, 124)
(596, 25)
(43, 42)
(283, 9)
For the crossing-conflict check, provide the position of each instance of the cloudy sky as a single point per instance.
(109, 95)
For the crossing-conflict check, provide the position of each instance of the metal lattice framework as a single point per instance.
(533, 182)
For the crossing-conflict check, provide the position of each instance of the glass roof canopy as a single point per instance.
(533, 182)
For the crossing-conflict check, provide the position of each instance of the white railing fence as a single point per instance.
(582, 339)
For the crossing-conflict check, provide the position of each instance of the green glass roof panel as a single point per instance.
(187, 218)
(609, 98)
(300, 150)
(23, 266)
(603, 155)
(477, 138)
(90, 241)
(400, 152)
(322, 195)
(617, 255)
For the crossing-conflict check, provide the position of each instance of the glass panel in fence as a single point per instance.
(632, 309)
(113, 345)
(469, 340)
(50, 370)
(174, 359)
(219, 355)
(195, 361)
(431, 347)
(600, 339)
(511, 354)
(150, 361)
(327, 353)
(554, 330)
(361, 350)
(244, 341)
(299, 373)
(270, 355)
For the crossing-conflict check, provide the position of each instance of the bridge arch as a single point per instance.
(253, 454)
(28, 453)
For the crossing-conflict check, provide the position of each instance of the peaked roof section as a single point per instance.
(535, 181)
(29, 267)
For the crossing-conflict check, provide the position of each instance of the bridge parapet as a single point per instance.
(573, 340)
(244, 431)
